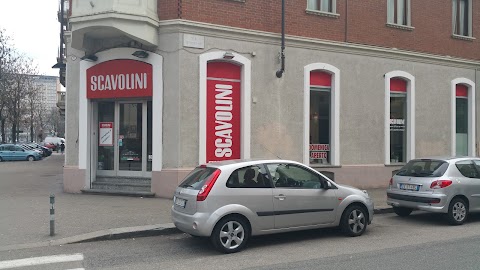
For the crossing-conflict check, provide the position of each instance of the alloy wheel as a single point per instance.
(459, 211)
(356, 221)
(232, 234)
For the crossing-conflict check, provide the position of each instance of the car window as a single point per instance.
(293, 176)
(197, 178)
(18, 148)
(10, 148)
(424, 168)
(467, 169)
(249, 177)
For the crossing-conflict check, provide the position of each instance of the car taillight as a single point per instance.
(391, 182)
(440, 184)
(203, 193)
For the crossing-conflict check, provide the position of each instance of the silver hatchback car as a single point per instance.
(230, 201)
(440, 185)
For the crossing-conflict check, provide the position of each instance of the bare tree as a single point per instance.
(6, 60)
(18, 89)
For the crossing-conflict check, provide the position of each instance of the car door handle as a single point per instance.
(280, 197)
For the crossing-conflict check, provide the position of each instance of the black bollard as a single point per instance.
(52, 215)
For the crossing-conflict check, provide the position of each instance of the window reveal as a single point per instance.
(398, 120)
(461, 114)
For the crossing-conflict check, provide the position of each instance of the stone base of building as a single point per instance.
(363, 177)
(73, 179)
(166, 181)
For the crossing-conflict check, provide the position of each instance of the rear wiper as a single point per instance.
(187, 186)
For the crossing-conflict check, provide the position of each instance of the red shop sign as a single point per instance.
(223, 111)
(120, 79)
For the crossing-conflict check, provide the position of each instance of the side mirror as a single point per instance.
(327, 185)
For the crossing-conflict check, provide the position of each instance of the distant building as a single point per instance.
(48, 87)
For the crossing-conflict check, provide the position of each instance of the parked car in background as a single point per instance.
(46, 151)
(15, 152)
(29, 148)
(50, 146)
(54, 140)
(446, 185)
(232, 200)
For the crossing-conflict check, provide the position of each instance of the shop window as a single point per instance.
(106, 114)
(322, 5)
(399, 117)
(320, 117)
(398, 120)
(462, 21)
(398, 12)
(461, 120)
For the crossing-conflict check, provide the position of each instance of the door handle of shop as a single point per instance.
(281, 197)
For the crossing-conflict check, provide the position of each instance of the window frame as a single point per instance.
(321, 178)
(410, 127)
(331, 13)
(396, 9)
(455, 12)
(472, 164)
(335, 91)
(268, 178)
(471, 115)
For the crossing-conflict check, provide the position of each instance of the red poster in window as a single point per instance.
(223, 111)
(120, 79)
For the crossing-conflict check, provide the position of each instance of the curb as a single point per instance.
(385, 210)
(110, 234)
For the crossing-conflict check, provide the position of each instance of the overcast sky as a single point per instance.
(35, 30)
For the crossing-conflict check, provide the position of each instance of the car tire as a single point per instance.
(1, 159)
(402, 211)
(354, 221)
(231, 234)
(31, 158)
(457, 211)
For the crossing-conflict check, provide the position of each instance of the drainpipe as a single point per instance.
(279, 73)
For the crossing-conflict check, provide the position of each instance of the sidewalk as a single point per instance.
(25, 218)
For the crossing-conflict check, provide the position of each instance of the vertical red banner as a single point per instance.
(223, 111)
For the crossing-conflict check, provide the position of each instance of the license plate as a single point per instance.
(180, 202)
(409, 187)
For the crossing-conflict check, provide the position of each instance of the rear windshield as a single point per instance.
(424, 168)
(197, 178)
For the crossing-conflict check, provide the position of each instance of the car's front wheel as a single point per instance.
(457, 211)
(354, 220)
(31, 158)
(230, 234)
(402, 211)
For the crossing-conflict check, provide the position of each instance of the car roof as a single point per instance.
(448, 158)
(246, 162)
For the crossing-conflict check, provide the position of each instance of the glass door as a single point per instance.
(124, 138)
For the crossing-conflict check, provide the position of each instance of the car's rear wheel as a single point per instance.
(354, 220)
(457, 211)
(31, 158)
(230, 234)
(402, 211)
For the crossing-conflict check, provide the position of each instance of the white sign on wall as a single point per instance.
(193, 41)
(105, 134)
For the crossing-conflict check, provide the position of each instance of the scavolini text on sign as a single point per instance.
(119, 82)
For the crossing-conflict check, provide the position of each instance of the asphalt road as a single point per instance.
(421, 241)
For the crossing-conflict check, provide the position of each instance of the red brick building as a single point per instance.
(367, 86)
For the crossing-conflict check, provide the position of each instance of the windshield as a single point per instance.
(197, 178)
(424, 168)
